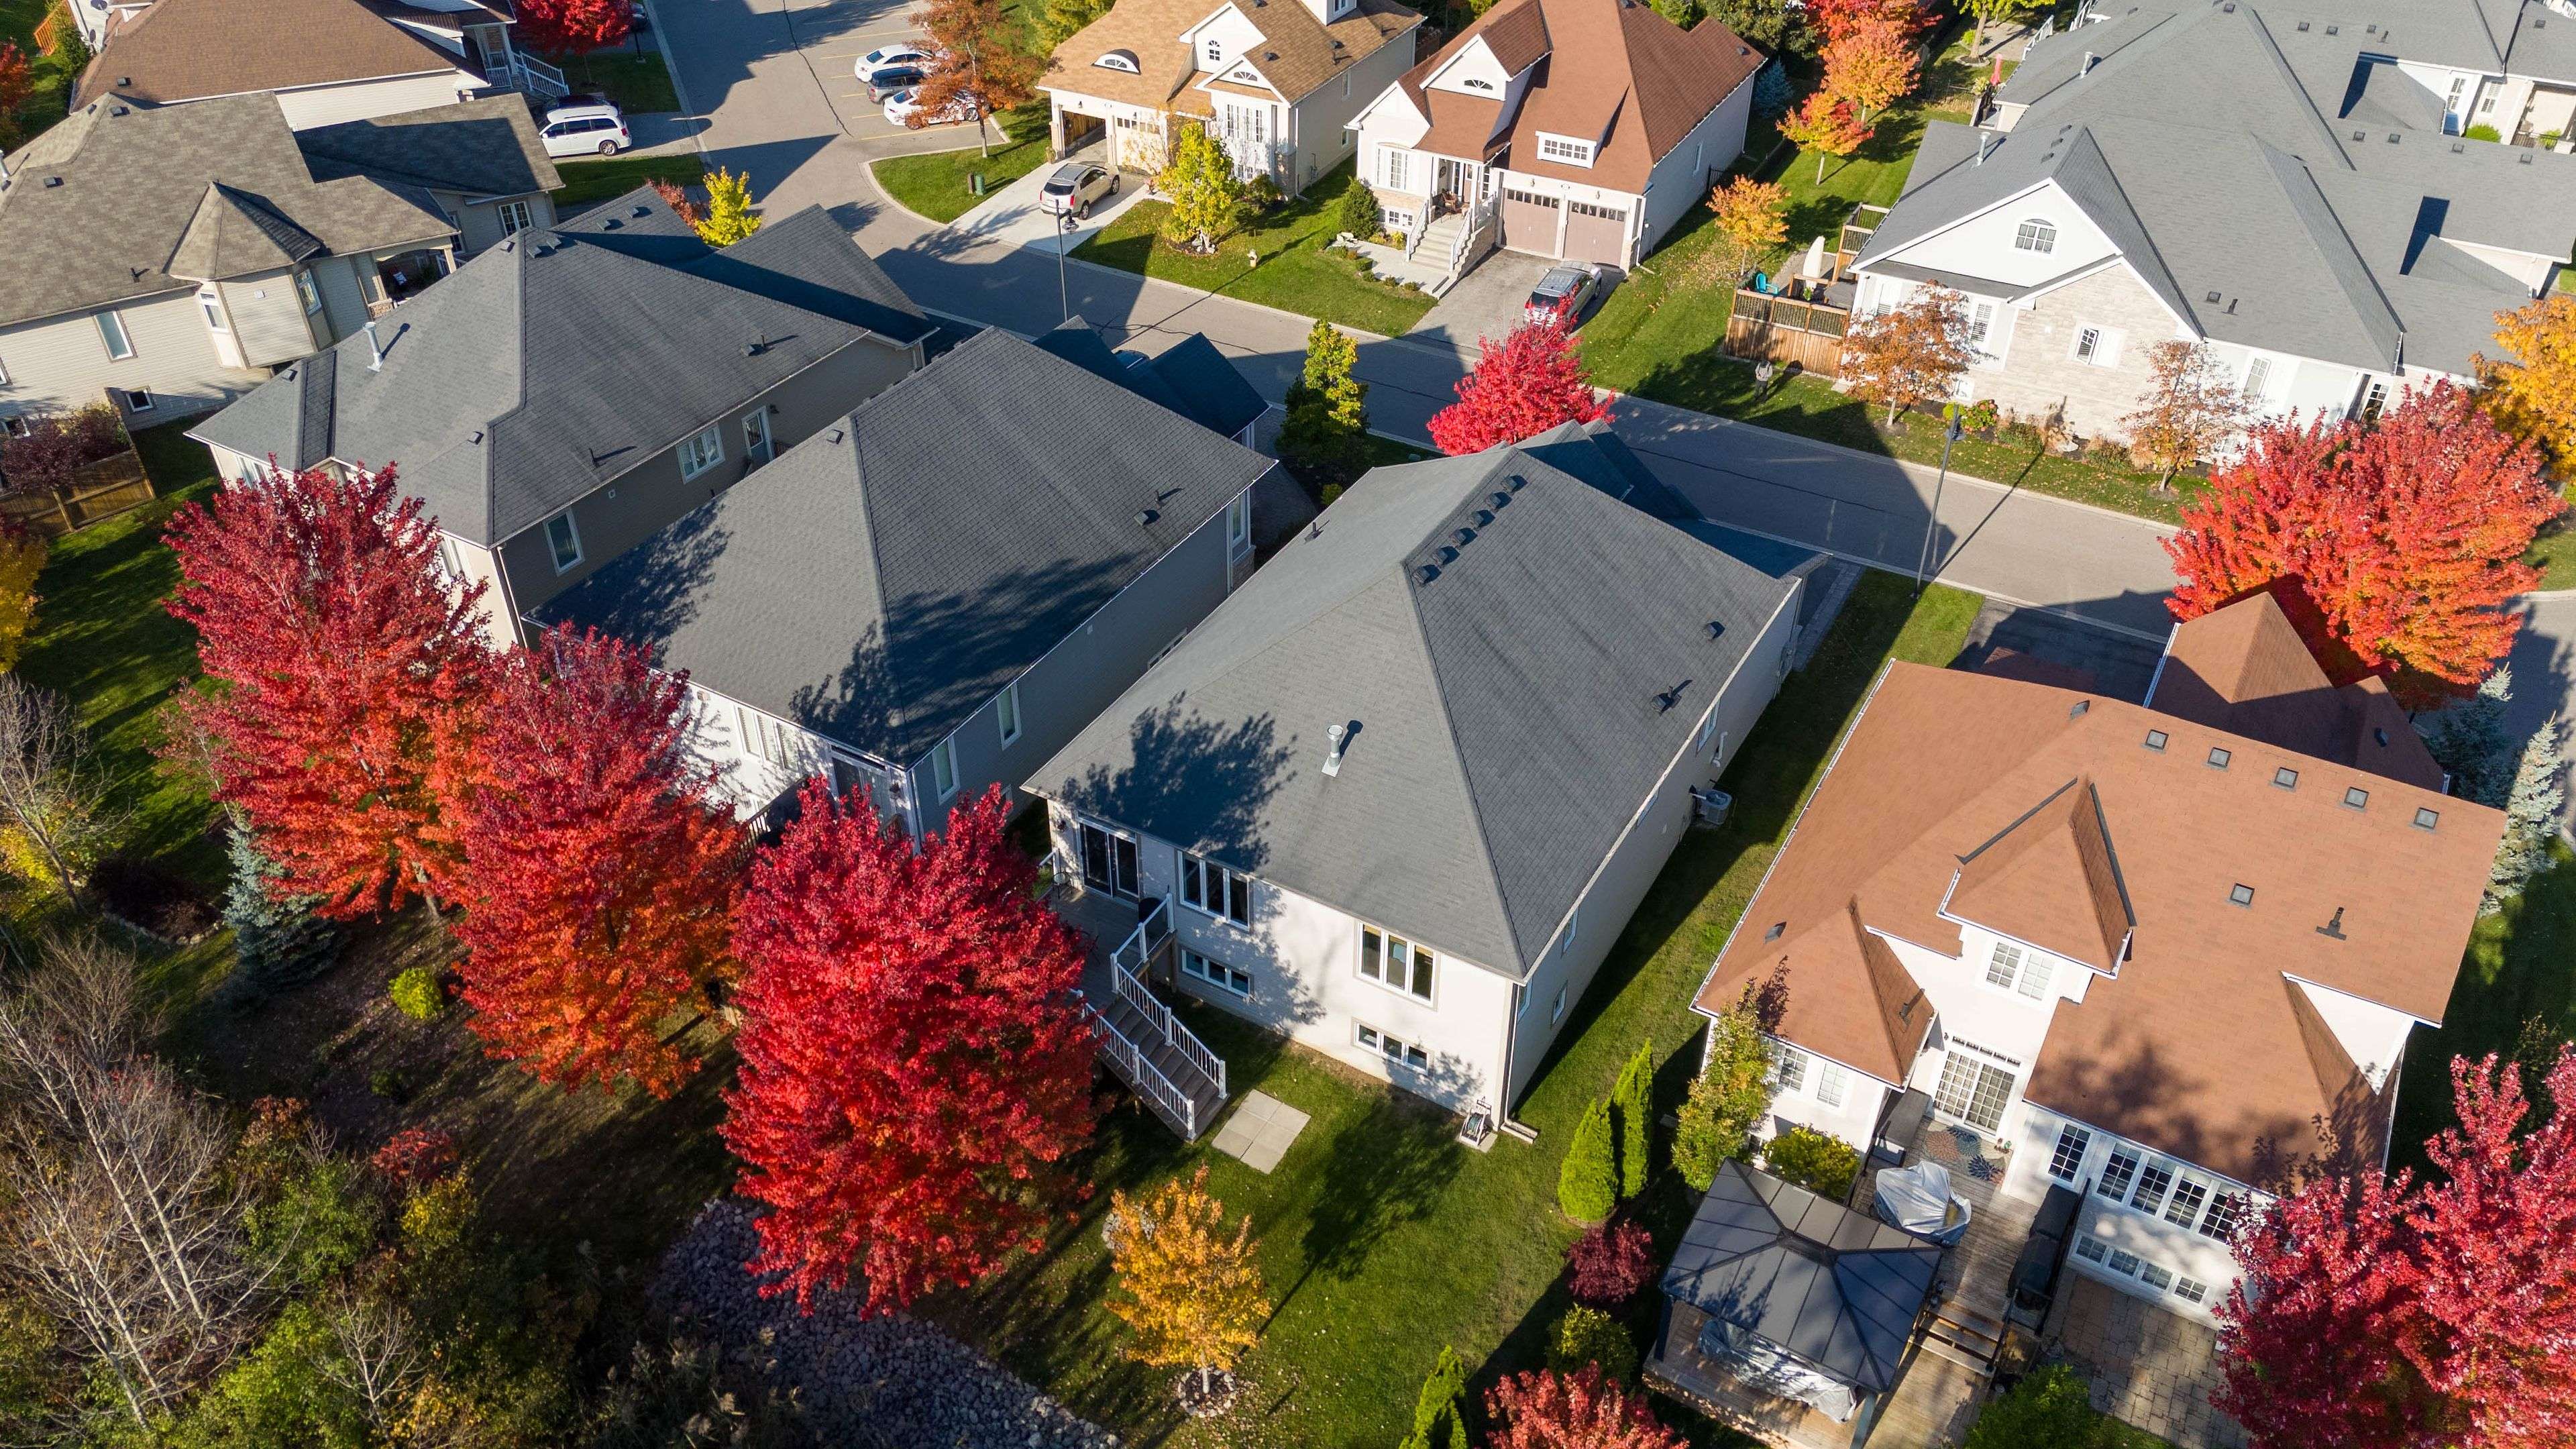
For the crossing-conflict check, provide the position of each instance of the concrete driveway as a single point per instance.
(1013, 217)
(1486, 302)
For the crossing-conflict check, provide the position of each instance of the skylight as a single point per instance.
(2218, 758)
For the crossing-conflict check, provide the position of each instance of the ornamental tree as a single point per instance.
(1728, 1098)
(1440, 1410)
(1324, 437)
(1752, 219)
(572, 27)
(1543, 1409)
(2402, 1313)
(342, 665)
(1910, 353)
(1610, 1264)
(728, 216)
(915, 1071)
(2400, 541)
(679, 202)
(1775, 25)
(598, 866)
(1587, 1180)
(1528, 383)
(1632, 1108)
(1827, 126)
(1835, 19)
(1873, 65)
(2190, 407)
(16, 81)
(977, 62)
(1188, 1291)
(1205, 199)
(2531, 390)
(1997, 11)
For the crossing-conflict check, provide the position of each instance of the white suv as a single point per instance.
(595, 130)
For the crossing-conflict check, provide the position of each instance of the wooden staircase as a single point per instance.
(1146, 1046)
(1964, 1336)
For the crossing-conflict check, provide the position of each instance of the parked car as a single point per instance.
(900, 106)
(902, 52)
(1567, 289)
(1075, 186)
(886, 81)
(585, 130)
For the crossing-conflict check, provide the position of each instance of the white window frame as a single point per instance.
(2080, 1139)
(1565, 150)
(4, 372)
(1208, 971)
(1983, 1061)
(514, 216)
(1833, 1082)
(1238, 522)
(2036, 235)
(701, 450)
(213, 306)
(1006, 711)
(113, 335)
(1395, 168)
(943, 769)
(1417, 967)
(139, 399)
(763, 738)
(571, 536)
(1376, 1041)
(1558, 1014)
(1789, 1069)
(2258, 376)
(1214, 49)
(1204, 880)
(310, 290)
(755, 435)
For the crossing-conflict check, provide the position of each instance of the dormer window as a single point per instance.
(1474, 84)
(1120, 60)
(2035, 235)
(1215, 52)
(1564, 150)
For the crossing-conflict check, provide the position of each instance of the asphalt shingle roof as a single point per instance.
(551, 364)
(881, 580)
(1191, 377)
(486, 147)
(1499, 632)
(182, 50)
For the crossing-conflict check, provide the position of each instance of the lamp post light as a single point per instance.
(1065, 224)
(1949, 439)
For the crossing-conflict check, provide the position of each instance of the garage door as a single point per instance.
(1595, 234)
(1529, 221)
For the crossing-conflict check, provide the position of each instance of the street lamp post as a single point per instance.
(1064, 228)
(1949, 438)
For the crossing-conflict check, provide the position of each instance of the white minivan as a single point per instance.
(590, 130)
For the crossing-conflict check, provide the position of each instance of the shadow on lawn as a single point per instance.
(1385, 1171)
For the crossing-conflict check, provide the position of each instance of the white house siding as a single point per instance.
(1082, 675)
(269, 322)
(1602, 912)
(1985, 245)
(309, 106)
(1681, 179)
(2186, 1254)
(1322, 120)
(61, 363)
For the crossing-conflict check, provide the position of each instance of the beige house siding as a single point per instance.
(2040, 372)
(61, 363)
(480, 224)
(311, 106)
(1323, 134)
(268, 318)
(344, 306)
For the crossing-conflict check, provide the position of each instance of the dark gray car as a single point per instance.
(1567, 289)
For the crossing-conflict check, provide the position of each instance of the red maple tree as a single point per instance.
(2418, 1314)
(1544, 1409)
(2405, 538)
(17, 81)
(915, 1069)
(598, 866)
(569, 27)
(1530, 382)
(343, 665)
(1835, 19)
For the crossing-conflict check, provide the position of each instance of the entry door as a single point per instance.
(1108, 861)
(755, 436)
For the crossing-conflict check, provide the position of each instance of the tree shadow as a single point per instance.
(1383, 1172)
(1196, 782)
(652, 592)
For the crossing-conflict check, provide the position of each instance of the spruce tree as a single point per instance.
(277, 943)
(2532, 811)
(1440, 1415)
(1587, 1186)
(1633, 1102)
(2468, 739)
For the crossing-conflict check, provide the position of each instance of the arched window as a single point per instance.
(2036, 235)
(1119, 60)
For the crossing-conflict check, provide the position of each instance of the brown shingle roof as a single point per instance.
(2051, 879)
(185, 50)
(1300, 54)
(2191, 1048)
(2243, 668)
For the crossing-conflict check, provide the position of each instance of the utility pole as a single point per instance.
(1949, 439)
(1064, 227)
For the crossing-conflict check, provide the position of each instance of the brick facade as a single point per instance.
(2040, 372)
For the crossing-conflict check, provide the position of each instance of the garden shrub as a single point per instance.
(1587, 1186)
(1440, 1414)
(1632, 1107)
(1356, 211)
(1808, 1158)
(2047, 1410)
(416, 993)
(153, 896)
(2482, 133)
(1589, 1336)
(1610, 1264)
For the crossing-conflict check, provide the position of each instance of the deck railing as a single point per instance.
(1141, 1073)
(1128, 983)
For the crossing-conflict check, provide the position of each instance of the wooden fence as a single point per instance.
(1777, 329)
(98, 491)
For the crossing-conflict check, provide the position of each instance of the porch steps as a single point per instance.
(1965, 1337)
(1440, 238)
(1206, 1098)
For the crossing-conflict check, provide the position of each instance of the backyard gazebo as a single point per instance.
(1790, 1296)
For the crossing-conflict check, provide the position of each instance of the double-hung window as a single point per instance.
(2067, 1158)
(2016, 968)
(2118, 1174)
(2258, 375)
(763, 737)
(214, 307)
(1833, 1083)
(1396, 963)
(563, 540)
(514, 217)
(1210, 887)
(1238, 523)
(2155, 1180)
(1789, 1069)
(1006, 709)
(2189, 1196)
(701, 451)
(943, 768)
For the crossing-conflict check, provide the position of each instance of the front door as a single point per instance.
(1450, 183)
(1108, 861)
(755, 436)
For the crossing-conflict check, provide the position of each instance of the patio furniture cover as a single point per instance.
(1763, 1368)
(1918, 1199)
(1828, 1288)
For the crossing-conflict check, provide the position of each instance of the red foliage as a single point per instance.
(1610, 1264)
(597, 866)
(568, 27)
(2406, 537)
(914, 1070)
(342, 662)
(2378, 1314)
(16, 80)
(1550, 1410)
(1530, 383)
(1835, 19)
(678, 200)
(415, 1157)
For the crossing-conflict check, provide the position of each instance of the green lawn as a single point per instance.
(2515, 977)
(1381, 1239)
(587, 183)
(637, 81)
(49, 80)
(1295, 273)
(935, 185)
(2554, 552)
(1658, 335)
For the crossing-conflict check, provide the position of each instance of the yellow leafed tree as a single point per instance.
(729, 216)
(22, 557)
(2531, 391)
(1190, 1292)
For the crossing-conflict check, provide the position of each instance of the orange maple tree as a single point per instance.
(977, 64)
(1873, 66)
(1910, 353)
(1826, 126)
(2397, 543)
(598, 866)
(1752, 218)
(2531, 390)
(1835, 19)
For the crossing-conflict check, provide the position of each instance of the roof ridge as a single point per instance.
(2289, 181)
(896, 712)
(2146, 236)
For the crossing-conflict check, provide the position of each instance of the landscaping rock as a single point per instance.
(892, 1380)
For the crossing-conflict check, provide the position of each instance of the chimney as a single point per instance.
(1333, 762)
(376, 347)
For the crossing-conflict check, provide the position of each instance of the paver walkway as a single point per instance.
(2149, 1367)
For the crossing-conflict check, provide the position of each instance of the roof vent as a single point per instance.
(2212, 297)
(2457, 148)
(1483, 517)
(2361, 135)
(376, 347)
(1145, 517)
(1446, 554)
(120, 111)
(2370, 30)
(1500, 499)
(509, 244)
(1462, 536)
(2524, 158)
(1716, 628)
(475, 436)
(2333, 928)
(1516, 483)
(2079, 709)
(612, 224)
(2392, 138)
(2231, 306)
(834, 436)
(125, 80)
(755, 347)
(1670, 697)
(2303, 27)
(2381, 736)
(2334, 30)
(1773, 934)
(288, 374)
(1425, 574)
(2229, 8)
(1340, 735)
(53, 181)
(2087, 68)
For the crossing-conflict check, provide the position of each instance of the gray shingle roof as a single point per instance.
(881, 580)
(487, 147)
(549, 365)
(1191, 377)
(134, 180)
(1499, 630)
